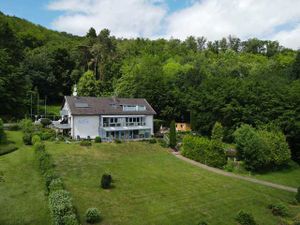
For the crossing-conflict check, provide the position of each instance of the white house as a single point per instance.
(107, 117)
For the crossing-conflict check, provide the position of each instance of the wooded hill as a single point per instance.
(229, 80)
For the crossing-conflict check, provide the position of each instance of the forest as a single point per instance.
(232, 81)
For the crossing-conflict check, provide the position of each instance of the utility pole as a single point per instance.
(31, 105)
(37, 105)
(45, 106)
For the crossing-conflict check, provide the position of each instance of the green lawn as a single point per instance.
(151, 186)
(22, 197)
(289, 176)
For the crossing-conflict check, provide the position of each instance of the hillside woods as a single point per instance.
(232, 81)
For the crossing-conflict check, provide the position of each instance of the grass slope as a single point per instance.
(154, 187)
(22, 197)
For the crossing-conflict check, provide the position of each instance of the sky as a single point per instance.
(214, 19)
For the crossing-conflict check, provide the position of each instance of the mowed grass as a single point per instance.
(22, 198)
(289, 176)
(151, 186)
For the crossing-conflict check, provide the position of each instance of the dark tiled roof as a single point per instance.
(106, 105)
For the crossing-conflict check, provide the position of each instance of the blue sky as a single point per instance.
(214, 19)
(36, 10)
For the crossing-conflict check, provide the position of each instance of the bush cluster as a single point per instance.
(244, 218)
(279, 209)
(92, 215)
(60, 202)
(61, 208)
(85, 143)
(204, 150)
(29, 130)
(261, 149)
(106, 181)
(97, 139)
(117, 141)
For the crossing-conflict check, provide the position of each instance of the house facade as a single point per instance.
(108, 117)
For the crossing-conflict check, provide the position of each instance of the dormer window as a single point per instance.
(133, 108)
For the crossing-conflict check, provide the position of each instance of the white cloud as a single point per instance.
(125, 18)
(214, 19)
(244, 18)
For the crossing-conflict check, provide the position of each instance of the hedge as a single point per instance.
(204, 150)
(60, 201)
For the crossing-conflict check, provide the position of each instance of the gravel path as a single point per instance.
(227, 174)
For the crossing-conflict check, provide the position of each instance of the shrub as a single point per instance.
(261, 149)
(26, 126)
(5, 149)
(152, 141)
(279, 209)
(35, 139)
(60, 205)
(56, 184)
(244, 218)
(117, 141)
(2, 133)
(217, 132)
(49, 176)
(45, 122)
(47, 134)
(106, 181)
(172, 136)
(39, 147)
(298, 195)
(97, 139)
(92, 215)
(209, 152)
(203, 223)
(85, 143)
(70, 219)
(27, 138)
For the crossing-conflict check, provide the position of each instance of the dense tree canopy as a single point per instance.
(231, 81)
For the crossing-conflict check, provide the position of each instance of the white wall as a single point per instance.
(149, 123)
(85, 126)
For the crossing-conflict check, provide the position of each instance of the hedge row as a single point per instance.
(60, 201)
(204, 150)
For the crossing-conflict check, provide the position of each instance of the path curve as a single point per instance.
(228, 174)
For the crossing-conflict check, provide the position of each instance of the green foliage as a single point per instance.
(106, 181)
(244, 218)
(2, 133)
(279, 209)
(152, 141)
(60, 204)
(98, 139)
(92, 215)
(56, 184)
(7, 148)
(203, 223)
(209, 152)
(27, 138)
(88, 85)
(172, 135)
(26, 126)
(86, 143)
(217, 132)
(45, 122)
(117, 141)
(298, 195)
(261, 149)
(35, 139)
